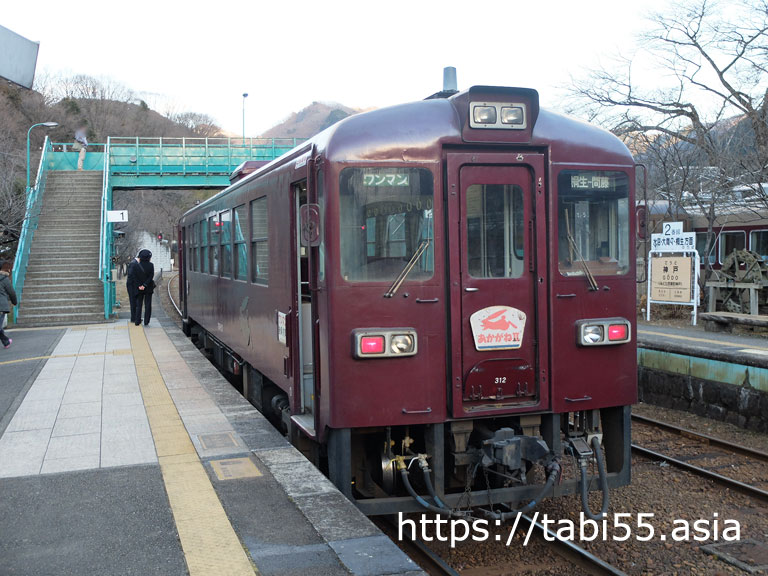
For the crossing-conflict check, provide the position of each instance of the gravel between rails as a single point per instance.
(696, 423)
(666, 492)
(699, 453)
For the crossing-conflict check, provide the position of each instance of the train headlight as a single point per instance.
(592, 334)
(512, 115)
(384, 342)
(603, 332)
(498, 115)
(484, 114)
(401, 344)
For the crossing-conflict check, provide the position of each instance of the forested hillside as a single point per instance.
(104, 106)
(310, 120)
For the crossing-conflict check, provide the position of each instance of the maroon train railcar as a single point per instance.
(433, 299)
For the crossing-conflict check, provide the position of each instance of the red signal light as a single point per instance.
(372, 345)
(617, 332)
(160, 237)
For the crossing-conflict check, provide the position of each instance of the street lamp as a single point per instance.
(47, 125)
(245, 95)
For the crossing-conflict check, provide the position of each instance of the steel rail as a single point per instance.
(711, 440)
(736, 485)
(436, 562)
(589, 560)
(170, 297)
(592, 561)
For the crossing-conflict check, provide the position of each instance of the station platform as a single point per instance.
(719, 346)
(719, 375)
(123, 451)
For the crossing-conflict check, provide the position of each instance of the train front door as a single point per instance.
(497, 287)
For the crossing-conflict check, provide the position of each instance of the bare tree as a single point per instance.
(703, 129)
(200, 124)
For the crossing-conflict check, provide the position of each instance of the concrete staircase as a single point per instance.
(62, 283)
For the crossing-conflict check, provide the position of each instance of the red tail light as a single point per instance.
(617, 332)
(372, 345)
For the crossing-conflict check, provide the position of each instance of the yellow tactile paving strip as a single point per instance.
(210, 544)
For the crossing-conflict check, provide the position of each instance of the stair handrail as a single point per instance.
(105, 235)
(31, 218)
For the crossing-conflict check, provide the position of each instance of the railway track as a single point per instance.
(170, 295)
(435, 565)
(704, 438)
(724, 445)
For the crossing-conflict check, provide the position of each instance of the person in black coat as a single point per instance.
(141, 284)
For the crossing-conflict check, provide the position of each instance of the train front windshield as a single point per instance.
(386, 215)
(593, 222)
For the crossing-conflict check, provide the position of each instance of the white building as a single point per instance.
(161, 251)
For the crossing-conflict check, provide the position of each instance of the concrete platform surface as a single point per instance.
(124, 451)
(694, 341)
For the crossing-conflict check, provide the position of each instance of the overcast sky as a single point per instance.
(202, 56)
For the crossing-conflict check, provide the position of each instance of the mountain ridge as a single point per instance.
(310, 120)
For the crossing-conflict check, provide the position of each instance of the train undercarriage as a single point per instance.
(497, 466)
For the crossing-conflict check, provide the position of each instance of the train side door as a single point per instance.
(305, 317)
(497, 288)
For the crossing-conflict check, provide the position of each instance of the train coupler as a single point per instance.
(511, 450)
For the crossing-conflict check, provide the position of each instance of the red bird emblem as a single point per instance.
(497, 321)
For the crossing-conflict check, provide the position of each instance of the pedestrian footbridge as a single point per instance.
(63, 266)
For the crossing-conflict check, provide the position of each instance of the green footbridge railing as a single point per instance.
(142, 162)
(29, 225)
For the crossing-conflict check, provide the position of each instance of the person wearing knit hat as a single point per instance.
(141, 284)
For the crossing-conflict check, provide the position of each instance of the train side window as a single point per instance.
(213, 246)
(259, 241)
(240, 223)
(701, 246)
(495, 231)
(730, 241)
(192, 245)
(204, 239)
(225, 235)
(198, 242)
(758, 242)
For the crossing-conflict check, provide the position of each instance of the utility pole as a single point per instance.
(245, 95)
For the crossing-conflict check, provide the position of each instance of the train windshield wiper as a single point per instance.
(587, 272)
(575, 250)
(407, 270)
